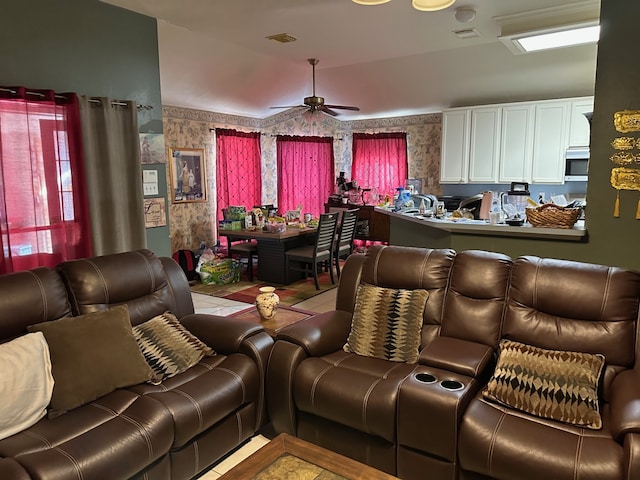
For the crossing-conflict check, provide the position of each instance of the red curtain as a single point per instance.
(43, 205)
(238, 176)
(305, 173)
(380, 161)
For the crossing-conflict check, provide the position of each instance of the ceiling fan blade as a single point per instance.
(289, 106)
(326, 109)
(343, 107)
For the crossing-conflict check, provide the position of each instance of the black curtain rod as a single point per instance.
(92, 100)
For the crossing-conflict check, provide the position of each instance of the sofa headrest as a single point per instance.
(30, 297)
(136, 278)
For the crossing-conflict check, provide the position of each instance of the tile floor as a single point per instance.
(220, 306)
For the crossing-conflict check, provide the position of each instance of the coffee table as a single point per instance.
(284, 316)
(285, 454)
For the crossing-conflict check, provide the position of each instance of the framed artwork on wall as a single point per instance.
(187, 175)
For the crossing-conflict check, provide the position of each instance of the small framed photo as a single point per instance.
(188, 178)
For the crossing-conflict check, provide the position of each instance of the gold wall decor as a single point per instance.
(624, 143)
(625, 179)
(624, 158)
(627, 121)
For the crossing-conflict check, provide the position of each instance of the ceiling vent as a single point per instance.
(282, 38)
(466, 33)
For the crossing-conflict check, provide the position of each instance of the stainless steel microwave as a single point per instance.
(576, 165)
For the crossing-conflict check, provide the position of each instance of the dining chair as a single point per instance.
(310, 257)
(344, 239)
(244, 249)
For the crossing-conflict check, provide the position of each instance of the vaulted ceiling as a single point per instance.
(389, 60)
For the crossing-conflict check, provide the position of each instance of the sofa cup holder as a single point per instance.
(452, 385)
(426, 378)
(429, 378)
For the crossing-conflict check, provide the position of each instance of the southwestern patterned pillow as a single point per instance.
(386, 323)
(550, 384)
(168, 347)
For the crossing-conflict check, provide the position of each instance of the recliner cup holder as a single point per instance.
(451, 385)
(426, 378)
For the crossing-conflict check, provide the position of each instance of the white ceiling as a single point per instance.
(389, 59)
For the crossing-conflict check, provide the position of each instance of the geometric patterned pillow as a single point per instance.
(551, 384)
(386, 323)
(168, 347)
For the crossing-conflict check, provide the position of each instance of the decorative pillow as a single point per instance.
(168, 347)
(386, 323)
(552, 384)
(26, 383)
(91, 356)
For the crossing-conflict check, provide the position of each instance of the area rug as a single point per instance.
(245, 291)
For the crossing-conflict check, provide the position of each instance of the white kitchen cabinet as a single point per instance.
(550, 141)
(579, 130)
(454, 166)
(484, 148)
(516, 142)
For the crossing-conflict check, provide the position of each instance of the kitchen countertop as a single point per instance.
(482, 227)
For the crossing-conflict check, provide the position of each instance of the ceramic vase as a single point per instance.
(267, 303)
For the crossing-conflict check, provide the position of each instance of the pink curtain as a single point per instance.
(305, 173)
(380, 161)
(238, 176)
(43, 205)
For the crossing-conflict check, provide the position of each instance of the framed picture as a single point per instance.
(187, 175)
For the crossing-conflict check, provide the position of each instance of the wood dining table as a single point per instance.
(272, 260)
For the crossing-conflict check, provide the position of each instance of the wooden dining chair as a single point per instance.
(344, 239)
(244, 249)
(310, 257)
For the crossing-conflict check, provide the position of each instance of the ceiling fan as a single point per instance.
(316, 104)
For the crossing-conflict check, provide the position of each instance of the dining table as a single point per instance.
(272, 247)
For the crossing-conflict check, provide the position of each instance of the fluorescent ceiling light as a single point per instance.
(558, 38)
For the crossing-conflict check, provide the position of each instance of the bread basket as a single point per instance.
(551, 215)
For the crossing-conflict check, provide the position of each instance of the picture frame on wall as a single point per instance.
(188, 178)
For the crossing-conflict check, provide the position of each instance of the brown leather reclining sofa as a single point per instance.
(172, 430)
(430, 419)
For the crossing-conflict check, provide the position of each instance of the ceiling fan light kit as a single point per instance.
(422, 5)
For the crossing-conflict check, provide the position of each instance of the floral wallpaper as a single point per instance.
(192, 223)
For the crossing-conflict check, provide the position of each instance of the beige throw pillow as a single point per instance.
(168, 347)
(552, 384)
(26, 383)
(386, 323)
(92, 355)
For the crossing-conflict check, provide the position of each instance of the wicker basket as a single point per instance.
(552, 216)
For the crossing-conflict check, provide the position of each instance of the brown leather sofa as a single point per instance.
(172, 430)
(430, 419)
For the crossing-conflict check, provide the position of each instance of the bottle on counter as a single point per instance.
(422, 208)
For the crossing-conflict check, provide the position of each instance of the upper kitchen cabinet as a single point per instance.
(454, 166)
(516, 142)
(550, 141)
(579, 129)
(484, 150)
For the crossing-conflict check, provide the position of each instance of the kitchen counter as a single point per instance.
(482, 227)
(412, 231)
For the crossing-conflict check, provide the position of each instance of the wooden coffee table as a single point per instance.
(285, 453)
(284, 316)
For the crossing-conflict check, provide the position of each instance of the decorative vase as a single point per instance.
(267, 303)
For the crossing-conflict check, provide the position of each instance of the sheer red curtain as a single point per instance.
(380, 161)
(43, 205)
(238, 176)
(305, 173)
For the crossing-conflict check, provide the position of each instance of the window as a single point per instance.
(43, 218)
(305, 173)
(380, 161)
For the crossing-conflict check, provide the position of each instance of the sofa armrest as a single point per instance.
(224, 334)
(456, 355)
(625, 404)
(320, 334)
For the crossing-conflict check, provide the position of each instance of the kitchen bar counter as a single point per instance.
(481, 227)
(411, 231)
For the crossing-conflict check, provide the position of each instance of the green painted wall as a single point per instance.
(90, 48)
